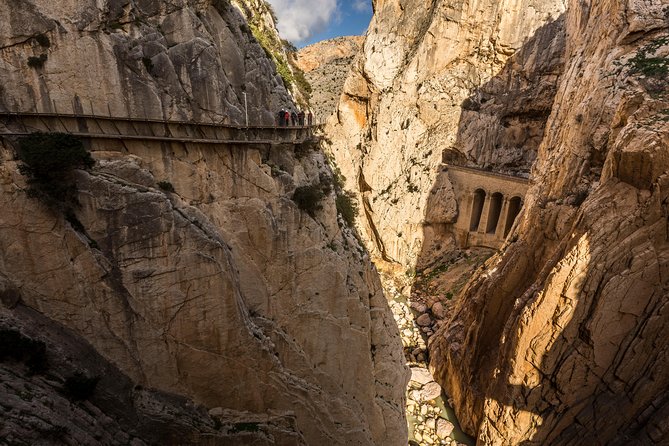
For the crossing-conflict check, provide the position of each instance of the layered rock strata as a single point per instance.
(326, 65)
(561, 340)
(465, 83)
(56, 389)
(558, 339)
(224, 292)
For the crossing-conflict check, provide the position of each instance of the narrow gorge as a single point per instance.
(476, 228)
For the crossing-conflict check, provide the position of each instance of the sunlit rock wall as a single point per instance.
(470, 82)
(561, 340)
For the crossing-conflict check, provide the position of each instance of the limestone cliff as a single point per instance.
(559, 338)
(561, 341)
(224, 291)
(326, 65)
(186, 59)
(466, 82)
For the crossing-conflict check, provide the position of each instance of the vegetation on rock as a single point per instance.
(49, 160)
(37, 62)
(347, 207)
(308, 199)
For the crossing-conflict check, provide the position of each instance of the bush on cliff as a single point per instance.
(308, 199)
(347, 207)
(49, 160)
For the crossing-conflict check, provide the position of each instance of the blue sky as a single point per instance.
(304, 22)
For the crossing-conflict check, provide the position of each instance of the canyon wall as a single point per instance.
(561, 340)
(224, 291)
(186, 59)
(558, 339)
(470, 82)
(326, 65)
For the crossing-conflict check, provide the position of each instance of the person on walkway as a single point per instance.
(286, 118)
(300, 118)
(293, 117)
(282, 118)
(310, 119)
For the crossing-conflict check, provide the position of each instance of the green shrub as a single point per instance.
(49, 160)
(657, 67)
(37, 62)
(43, 40)
(79, 387)
(166, 186)
(347, 207)
(308, 199)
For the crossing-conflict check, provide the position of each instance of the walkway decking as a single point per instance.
(145, 129)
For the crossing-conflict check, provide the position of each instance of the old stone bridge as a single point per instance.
(488, 205)
(144, 129)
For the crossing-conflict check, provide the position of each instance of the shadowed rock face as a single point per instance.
(178, 60)
(559, 339)
(560, 342)
(56, 389)
(472, 83)
(223, 292)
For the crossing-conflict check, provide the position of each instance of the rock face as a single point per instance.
(559, 338)
(560, 342)
(469, 83)
(186, 59)
(326, 65)
(223, 292)
(47, 397)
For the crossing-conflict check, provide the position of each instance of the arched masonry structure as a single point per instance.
(488, 204)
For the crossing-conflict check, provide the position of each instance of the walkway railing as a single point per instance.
(146, 129)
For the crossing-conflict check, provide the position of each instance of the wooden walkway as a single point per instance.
(144, 129)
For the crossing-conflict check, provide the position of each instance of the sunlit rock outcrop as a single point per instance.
(559, 342)
(223, 292)
(471, 83)
(558, 339)
(326, 65)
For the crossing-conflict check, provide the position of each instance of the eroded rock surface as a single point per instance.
(326, 65)
(470, 83)
(183, 59)
(560, 341)
(559, 338)
(223, 292)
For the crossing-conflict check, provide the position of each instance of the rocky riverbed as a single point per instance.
(431, 420)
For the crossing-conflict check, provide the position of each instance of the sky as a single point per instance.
(304, 22)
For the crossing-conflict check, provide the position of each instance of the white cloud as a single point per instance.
(300, 19)
(362, 5)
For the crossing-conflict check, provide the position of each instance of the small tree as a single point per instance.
(347, 207)
(308, 199)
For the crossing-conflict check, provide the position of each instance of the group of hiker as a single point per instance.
(287, 118)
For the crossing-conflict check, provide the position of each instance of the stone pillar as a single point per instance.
(483, 223)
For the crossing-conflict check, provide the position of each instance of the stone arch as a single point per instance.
(515, 204)
(477, 209)
(494, 212)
